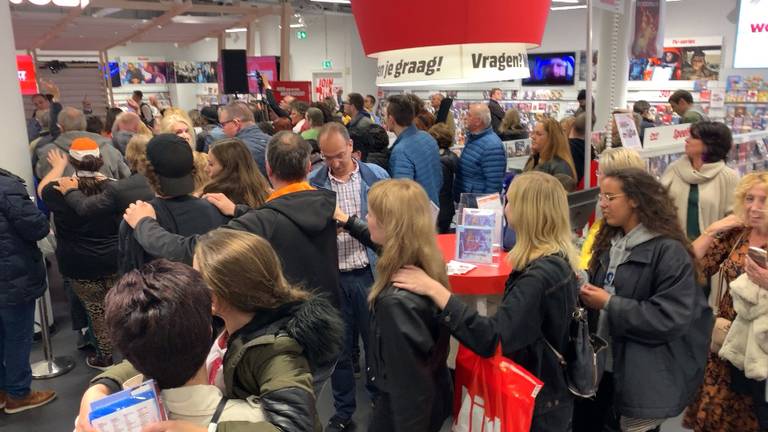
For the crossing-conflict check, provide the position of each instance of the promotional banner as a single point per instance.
(454, 64)
(688, 59)
(474, 44)
(143, 70)
(326, 84)
(666, 135)
(25, 67)
(186, 72)
(648, 36)
(264, 65)
(301, 90)
(752, 35)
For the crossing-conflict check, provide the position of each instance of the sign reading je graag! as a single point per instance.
(479, 45)
(452, 64)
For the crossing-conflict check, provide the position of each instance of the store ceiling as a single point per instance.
(108, 23)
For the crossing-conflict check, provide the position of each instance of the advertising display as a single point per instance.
(25, 66)
(479, 44)
(264, 65)
(326, 84)
(186, 72)
(666, 135)
(687, 59)
(751, 35)
(648, 38)
(143, 70)
(301, 90)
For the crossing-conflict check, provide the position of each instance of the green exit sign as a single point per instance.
(301, 34)
(327, 64)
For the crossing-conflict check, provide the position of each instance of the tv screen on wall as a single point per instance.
(551, 69)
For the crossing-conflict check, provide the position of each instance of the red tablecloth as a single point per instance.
(483, 280)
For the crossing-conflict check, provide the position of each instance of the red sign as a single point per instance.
(266, 66)
(384, 27)
(301, 90)
(26, 69)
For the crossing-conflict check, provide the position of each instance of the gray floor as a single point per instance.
(59, 415)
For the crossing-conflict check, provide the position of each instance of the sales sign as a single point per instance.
(666, 135)
(25, 67)
(301, 90)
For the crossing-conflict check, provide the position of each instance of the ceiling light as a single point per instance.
(236, 30)
(297, 26)
(331, 1)
(562, 8)
(565, 1)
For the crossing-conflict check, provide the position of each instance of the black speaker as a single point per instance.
(234, 71)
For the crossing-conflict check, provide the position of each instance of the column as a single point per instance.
(269, 35)
(285, 42)
(252, 39)
(613, 63)
(14, 146)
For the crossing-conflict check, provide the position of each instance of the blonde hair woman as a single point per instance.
(409, 347)
(179, 125)
(277, 334)
(550, 152)
(612, 159)
(511, 128)
(539, 297)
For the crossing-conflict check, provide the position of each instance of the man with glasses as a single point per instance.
(237, 121)
(350, 179)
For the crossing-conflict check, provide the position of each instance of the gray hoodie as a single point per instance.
(114, 164)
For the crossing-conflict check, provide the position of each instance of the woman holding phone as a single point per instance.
(728, 401)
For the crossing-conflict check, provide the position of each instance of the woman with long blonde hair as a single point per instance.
(409, 347)
(550, 152)
(534, 317)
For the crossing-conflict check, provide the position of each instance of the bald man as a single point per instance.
(483, 161)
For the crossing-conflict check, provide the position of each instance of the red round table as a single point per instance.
(484, 280)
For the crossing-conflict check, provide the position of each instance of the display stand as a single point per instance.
(51, 366)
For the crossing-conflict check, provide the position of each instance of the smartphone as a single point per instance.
(759, 256)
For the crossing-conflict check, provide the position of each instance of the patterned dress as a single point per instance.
(717, 408)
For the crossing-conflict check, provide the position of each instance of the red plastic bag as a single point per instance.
(492, 394)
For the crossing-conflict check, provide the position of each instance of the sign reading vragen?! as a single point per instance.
(452, 64)
(474, 43)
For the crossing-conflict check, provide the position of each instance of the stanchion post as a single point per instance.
(50, 366)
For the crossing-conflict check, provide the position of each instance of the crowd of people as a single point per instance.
(244, 255)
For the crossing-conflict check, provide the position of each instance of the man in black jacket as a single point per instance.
(497, 112)
(297, 220)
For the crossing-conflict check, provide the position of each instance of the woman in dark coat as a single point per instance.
(22, 280)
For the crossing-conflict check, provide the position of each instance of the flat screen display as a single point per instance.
(751, 35)
(551, 69)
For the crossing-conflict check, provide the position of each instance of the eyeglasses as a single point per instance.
(338, 156)
(608, 197)
(224, 123)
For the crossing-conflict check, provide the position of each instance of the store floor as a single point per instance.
(59, 415)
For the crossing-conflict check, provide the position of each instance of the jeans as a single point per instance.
(355, 286)
(16, 330)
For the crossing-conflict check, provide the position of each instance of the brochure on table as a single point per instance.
(478, 233)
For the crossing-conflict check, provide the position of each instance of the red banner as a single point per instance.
(400, 24)
(301, 90)
(26, 69)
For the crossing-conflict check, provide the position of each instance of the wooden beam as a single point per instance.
(244, 22)
(162, 6)
(57, 28)
(175, 9)
(285, 41)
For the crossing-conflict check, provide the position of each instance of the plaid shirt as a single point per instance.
(352, 254)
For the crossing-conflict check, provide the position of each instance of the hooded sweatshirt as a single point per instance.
(716, 185)
(298, 225)
(114, 165)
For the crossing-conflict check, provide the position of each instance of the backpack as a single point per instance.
(583, 361)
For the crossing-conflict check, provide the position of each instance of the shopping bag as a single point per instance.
(492, 394)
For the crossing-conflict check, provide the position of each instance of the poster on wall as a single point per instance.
(143, 70)
(188, 72)
(25, 68)
(648, 37)
(751, 35)
(326, 84)
(583, 65)
(687, 59)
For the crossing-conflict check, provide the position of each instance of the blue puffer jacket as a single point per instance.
(482, 165)
(22, 271)
(256, 141)
(415, 156)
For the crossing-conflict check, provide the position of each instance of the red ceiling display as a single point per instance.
(450, 41)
